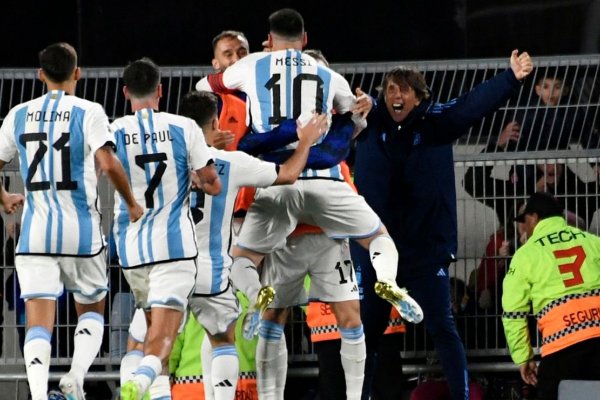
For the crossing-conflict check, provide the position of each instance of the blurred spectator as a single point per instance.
(553, 119)
(577, 196)
(494, 263)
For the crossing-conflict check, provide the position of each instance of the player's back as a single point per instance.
(287, 84)
(157, 152)
(236, 170)
(559, 260)
(56, 136)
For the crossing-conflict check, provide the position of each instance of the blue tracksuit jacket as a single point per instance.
(406, 171)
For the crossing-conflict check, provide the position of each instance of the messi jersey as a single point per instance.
(56, 137)
(236, 169)
(281, 85)
(157, 150)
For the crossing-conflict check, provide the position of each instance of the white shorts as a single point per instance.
(48, 276)
(331, 205)
(138, 326)
(162, 285)
(215, 313)
(325, 260)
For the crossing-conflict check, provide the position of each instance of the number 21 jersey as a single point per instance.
(56, 137)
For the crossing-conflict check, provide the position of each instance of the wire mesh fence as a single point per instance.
(557, 150)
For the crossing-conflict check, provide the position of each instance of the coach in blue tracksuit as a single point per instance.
(404, 168)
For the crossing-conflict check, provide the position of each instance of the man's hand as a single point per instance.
(209, 180)
(135, 212)
(504, 250)
(363, 105)
(510, 133)
(313, 129)
(521, 65)
(12, 201)
(222, 139)
(529, 372)
(195, 180)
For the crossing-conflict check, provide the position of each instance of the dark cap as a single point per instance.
(543, 204)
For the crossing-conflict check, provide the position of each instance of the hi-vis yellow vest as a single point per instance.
(557, 274)
(185, 365)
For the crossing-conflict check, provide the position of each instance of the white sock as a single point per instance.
(244, 277)
(353, 354)
(36, 353)
(267, 360)
(129, 363)
(281, 364)
(87, 342)
(384, 258)
(161, 388)
(206, 358)
(224, 371)
(150, 367)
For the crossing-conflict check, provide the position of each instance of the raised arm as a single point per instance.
(457, 116)
(257, 144)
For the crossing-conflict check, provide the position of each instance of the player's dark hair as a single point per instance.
(58, 61)
(141, 77)
(201, 106)
(230, 34)
(287, 23)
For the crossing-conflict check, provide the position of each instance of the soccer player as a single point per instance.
(214, 303)
(308, 251)
(158, 253)
(59, 137)
(283, 83)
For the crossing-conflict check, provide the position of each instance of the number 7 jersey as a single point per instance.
(56, 136)
(158, 151)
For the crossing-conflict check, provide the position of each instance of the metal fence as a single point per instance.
(560, 153)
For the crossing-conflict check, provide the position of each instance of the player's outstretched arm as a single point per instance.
(308, 135)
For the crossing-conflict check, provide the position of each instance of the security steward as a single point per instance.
(556, 273)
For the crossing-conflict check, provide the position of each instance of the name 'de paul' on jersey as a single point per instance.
(160, 136)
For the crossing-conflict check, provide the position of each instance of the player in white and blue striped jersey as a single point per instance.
(158, 252)
(285, 83)
(58, 138)
(214, 303)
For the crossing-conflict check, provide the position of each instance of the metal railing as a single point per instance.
(478, 221)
